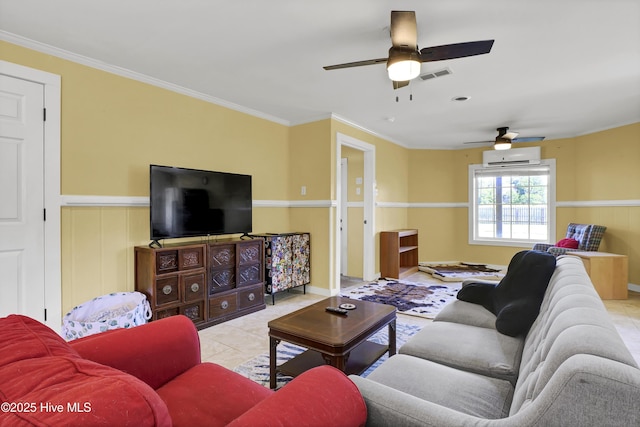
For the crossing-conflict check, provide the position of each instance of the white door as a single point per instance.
(22, 281)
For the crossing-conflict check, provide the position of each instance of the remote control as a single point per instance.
(336, 310)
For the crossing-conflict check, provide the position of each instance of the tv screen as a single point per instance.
(190, 202)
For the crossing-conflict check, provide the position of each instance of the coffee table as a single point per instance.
(333, 339)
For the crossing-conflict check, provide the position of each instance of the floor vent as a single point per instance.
(434, 74)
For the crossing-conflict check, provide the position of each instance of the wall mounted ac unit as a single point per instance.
(513, 157)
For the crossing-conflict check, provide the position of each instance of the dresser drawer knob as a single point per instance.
(195, 287)
(224, 304)
(251, 296)
(167, 289)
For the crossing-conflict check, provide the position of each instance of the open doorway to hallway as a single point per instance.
(356, 240)
(352, 213)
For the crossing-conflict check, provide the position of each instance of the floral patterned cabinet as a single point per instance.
(287, 261)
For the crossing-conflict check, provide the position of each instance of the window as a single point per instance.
(512, 206)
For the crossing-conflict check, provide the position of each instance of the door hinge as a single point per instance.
(45, 314)
(44, 214)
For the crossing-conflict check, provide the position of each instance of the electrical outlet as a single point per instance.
(303, 190)
(359, 180)
(357, 191)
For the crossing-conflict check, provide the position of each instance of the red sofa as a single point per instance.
(152, 375)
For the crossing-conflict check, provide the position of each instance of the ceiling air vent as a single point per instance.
(434, 74)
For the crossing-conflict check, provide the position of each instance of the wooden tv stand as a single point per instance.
(208, 282)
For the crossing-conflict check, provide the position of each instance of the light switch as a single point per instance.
(359, 180)
(303, 190)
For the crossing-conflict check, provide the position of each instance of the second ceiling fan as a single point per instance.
(403, 62)
(505, 138)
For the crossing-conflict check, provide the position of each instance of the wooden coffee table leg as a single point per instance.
(392, 338)
(339, 362)
(273, 344)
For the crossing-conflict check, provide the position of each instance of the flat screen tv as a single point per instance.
(190, 202)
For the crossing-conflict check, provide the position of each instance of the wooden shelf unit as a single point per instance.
(398, 253)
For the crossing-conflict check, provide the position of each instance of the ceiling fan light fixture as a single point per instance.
(502, 144)
(403, 65)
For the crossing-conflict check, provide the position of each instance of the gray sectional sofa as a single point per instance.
(571, 368)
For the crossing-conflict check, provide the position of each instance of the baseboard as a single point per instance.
(319, 291)
(634, 288)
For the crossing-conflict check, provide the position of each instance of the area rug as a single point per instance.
(415, 299)
(457, 271)
(257, 369)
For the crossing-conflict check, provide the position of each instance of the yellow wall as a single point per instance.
(590, 169)
(311, 161)
(604, 167)
(97, 251)
(310, 166)
(439, 176)
(355, 168)
(114, 127)
(316, 221)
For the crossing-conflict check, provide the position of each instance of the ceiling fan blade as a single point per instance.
(525, 139)
(456, 50)
(398, 85)
(528, 139)
(509, 135)
(404, 30)
(356, 64)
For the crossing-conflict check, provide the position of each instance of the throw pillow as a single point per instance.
(568, 243)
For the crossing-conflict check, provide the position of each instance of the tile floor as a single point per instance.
(234, 342)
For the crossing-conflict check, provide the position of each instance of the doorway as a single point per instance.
(352, 213)
(368, 208)
(344, 218)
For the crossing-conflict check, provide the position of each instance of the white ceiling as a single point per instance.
(558, 68)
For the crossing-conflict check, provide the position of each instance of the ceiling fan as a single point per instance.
(403, 62)
(505, 138)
